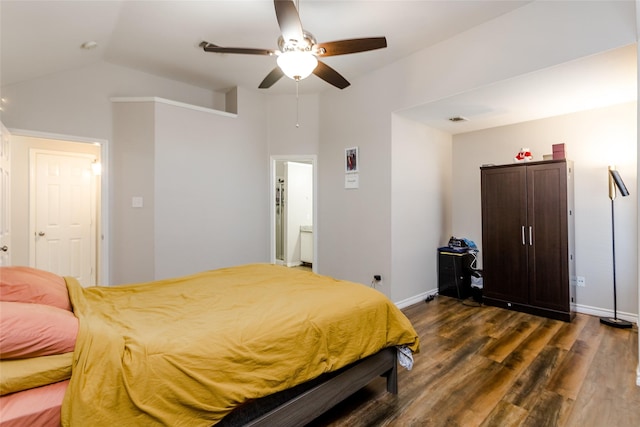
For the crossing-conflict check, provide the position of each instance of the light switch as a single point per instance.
(136, 202)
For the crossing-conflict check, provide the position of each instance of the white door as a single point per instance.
(63, 214)
(5, 197)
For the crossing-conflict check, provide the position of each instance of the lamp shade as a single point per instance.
(297, 65)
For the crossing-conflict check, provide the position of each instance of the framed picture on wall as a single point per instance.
(351, 161)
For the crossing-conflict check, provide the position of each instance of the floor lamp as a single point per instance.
(615, 181)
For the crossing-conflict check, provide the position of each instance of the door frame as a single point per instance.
(309, 158)
(5, 197)
(102, 227)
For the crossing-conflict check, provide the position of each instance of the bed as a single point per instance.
(255, 344)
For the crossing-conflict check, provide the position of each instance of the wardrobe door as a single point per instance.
(504, 210)
(547, 227)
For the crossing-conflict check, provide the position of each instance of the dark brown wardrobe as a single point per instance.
(528, 237)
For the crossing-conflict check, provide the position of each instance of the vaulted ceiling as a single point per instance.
(162, 38)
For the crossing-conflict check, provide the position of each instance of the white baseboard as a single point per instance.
(602, 312)
(415, 299)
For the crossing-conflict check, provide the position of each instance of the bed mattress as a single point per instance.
(38, 406)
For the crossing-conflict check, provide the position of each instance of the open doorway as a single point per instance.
(293, 211)
(53, 177)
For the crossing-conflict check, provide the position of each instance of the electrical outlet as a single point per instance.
(376, 280)
(580, 281)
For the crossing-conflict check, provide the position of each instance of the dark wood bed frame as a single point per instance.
(302, 408)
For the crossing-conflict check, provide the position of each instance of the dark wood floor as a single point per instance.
(485, 366)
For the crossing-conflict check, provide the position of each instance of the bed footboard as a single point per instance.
(305, 407)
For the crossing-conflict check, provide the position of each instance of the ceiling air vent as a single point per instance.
(458, 119)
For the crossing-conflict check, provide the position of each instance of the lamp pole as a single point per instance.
(614, 321)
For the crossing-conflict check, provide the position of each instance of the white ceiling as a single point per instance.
(592, 82)
(161, 37)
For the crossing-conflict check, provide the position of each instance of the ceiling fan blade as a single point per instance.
(330, 75)
(271, 78)
(288, 20)
(343, 47)
(210, 47)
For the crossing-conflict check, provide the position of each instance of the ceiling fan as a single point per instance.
(299, 51)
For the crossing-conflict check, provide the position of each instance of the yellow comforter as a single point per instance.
(186, 351)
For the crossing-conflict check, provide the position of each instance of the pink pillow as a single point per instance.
(32, 330)
(26, 284)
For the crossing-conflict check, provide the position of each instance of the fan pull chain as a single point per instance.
(297, 107)
(297, 3)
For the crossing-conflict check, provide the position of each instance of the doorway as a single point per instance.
(293, 211)
(77, 169)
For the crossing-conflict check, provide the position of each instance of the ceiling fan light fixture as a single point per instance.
(298, 50)
(296, 64)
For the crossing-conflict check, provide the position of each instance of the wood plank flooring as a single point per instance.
(485, 366)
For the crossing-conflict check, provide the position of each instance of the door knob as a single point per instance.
(5, 248)
(41, 233)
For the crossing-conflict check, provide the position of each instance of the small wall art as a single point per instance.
(351, 161)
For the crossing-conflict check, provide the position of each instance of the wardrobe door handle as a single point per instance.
(530, 236)
(523, 241)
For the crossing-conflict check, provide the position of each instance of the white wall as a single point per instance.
(354, 225)
(132, 169)
(202, 178)
(421, 198)
(593, 140)
(284, 137)
(638, 181)
(212, 191)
